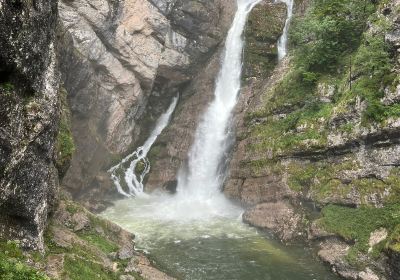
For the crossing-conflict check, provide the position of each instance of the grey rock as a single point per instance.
(115, 57)
(81, 221)
(29, 116)
(132, 266)
(127, 277)
(279, 217)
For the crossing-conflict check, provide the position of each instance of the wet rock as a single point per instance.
(334, 252)
(279, 217)
(127, 249)
(29, 116)
(149, 272)
(265, 24)
(132, 266)
(172, 154)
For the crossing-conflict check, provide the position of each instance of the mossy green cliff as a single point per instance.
(324, 129)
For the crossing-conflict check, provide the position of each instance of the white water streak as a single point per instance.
(199, 186)
(282, 43)
(134, 183)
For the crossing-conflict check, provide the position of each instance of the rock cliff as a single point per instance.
(29, 116)
(122, 62)
(322, 133)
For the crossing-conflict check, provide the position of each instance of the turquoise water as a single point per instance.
(219, 247)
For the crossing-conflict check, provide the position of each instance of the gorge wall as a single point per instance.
(322, 133)
(122, 62)
(29, 116)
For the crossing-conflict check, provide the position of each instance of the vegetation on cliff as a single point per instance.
(356, 225)
(13, 264)
(327, 129)
(78, 245)
(65, 141)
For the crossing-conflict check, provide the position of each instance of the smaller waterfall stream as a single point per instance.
(282, 43)
(135, 183)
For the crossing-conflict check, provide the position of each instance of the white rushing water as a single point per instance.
(282, 43)
(198, 194)
(133, 182)
(204, 177)
(202, 180)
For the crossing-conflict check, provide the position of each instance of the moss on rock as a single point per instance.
(65, 141)
(265, 25)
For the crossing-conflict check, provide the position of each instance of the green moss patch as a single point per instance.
(357, 224)
(264, 26)
(77, 269)
(100, 242)
(65, 141)
(13, 264)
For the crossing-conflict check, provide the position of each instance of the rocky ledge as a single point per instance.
(80, 245)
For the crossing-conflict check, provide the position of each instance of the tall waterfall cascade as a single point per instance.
(203, 177)
(282, 43)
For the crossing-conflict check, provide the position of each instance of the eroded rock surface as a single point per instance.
(29, 115)
(119, 58)
(279, 217)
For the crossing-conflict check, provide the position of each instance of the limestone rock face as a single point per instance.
(119, 58)
(29, 116)
(279, 217)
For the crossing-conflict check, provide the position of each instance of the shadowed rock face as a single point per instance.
(29, 113)
(116, 56)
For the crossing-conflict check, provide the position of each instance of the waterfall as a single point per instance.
(199, 196)
(282, 43)
(203, 177)
(135, 183)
